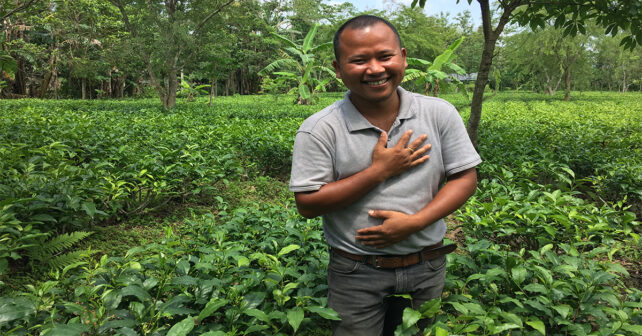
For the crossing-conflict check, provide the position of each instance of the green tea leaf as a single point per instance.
(440, 332)
(326, 313)
(213, 305)
(135, 290)
(503, 327)
(90, 208)
(288, 249)
(519, 274)
(430, 308)
(15, 308)
(633, 328)
(537, 324)
(75, 329)
(410, 317)
(259, 314)
(182, 328)
(535, 287)
(295, 317)
(563, 310)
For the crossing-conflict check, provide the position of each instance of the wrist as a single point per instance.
(378, 173)
(419, 222)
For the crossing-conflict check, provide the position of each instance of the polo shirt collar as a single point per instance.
(355, 121)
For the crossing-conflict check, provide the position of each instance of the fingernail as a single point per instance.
(370, 212)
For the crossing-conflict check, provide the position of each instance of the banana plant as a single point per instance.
(190, 90)
(433, 74)
(300, 65)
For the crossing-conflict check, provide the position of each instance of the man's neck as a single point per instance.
(380, 113)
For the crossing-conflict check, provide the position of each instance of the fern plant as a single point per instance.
(52, 253)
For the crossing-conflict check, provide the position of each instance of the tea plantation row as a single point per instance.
(559, 190)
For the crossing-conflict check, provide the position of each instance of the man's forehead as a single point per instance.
(368, 29)
(378, 29)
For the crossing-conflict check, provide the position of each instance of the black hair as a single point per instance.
(362, 21)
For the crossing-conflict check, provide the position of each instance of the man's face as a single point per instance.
(371, 63)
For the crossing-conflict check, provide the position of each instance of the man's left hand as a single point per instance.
(396, 227)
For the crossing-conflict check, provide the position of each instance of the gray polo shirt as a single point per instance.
(337, 142)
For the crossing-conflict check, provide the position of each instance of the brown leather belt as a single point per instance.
(396, 261)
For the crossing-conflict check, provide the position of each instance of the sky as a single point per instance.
(432, 7)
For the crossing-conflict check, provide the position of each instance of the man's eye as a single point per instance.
(386, 57)
(357, 61)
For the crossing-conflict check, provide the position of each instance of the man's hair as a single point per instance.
(361, 21)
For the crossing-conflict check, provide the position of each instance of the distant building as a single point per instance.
(471, 77)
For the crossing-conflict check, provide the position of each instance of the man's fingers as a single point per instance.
(420, 151)
(383, 138)
(419, 160)
(380, 213)
(403, 141)
(415, 144)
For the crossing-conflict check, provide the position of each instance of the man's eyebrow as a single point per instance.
(385, 51)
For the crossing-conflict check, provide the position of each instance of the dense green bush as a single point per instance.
(559, 192)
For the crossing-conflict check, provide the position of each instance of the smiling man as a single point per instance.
(363, 165)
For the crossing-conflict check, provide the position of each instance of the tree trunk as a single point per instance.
(212, 90)
(549, 87)
(20, 85)
(490, 38)
(567, 84)
(83, 88)
(46, 81)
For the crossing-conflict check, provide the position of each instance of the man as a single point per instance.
(362, 164)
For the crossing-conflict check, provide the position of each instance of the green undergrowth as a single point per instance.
(193, 230)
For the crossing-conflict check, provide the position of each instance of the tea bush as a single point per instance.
(558, 205)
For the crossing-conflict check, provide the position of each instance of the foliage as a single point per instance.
(493, 290)
(435, 72)
(271, 286)
(558, 207)
(308, 70)
(8, 68)
(190, 91)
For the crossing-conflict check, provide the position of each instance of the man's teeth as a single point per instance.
(379, 82)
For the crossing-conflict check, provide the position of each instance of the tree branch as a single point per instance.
(121, 8)
(19, 8)
(210, 15)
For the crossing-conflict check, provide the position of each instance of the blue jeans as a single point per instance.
(360, 293)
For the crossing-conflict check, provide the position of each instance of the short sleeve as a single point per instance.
(312, 163)
(458, 152)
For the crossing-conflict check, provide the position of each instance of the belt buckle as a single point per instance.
(376, 262)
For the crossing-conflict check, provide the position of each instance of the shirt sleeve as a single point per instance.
(458, 152)
(312, 163)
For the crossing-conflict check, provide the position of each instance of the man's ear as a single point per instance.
(336, 66)
(403, 53)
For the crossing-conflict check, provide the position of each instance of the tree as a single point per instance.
(434, 72)
(546, 58)
(569, 15)
(302, 58)
(163, 31)
(423, 36)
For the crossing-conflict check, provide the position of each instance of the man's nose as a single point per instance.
(375, 67)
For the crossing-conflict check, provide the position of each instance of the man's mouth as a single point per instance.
(377, 82)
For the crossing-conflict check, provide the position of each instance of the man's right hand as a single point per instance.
(386, 162)
(401, 157)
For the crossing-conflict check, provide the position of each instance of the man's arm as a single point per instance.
(386, 162)
(397, 226)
